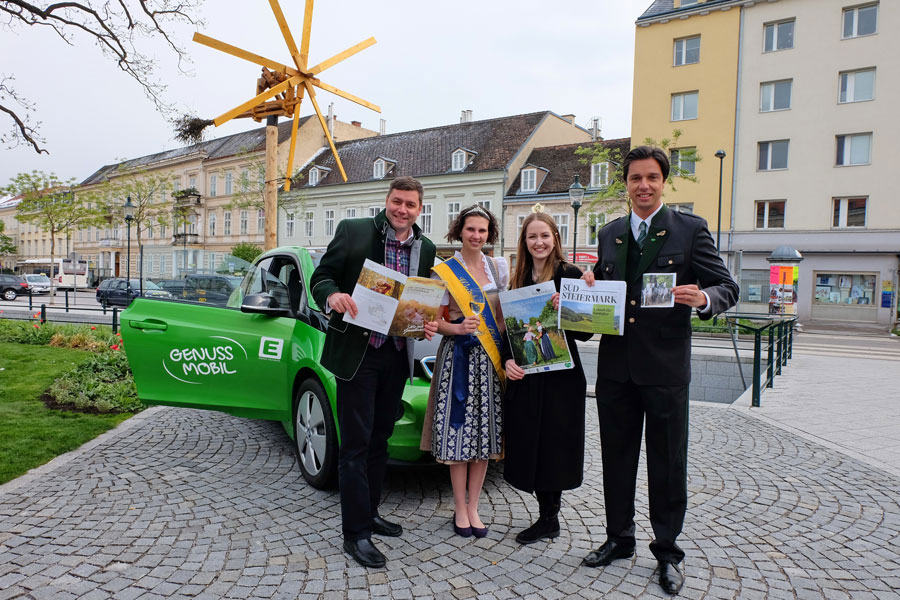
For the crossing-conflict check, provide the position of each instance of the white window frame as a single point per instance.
(211, 222)
(678, 103)
(289, 225)
(425, 218)
(485, 204)
(769, 154)
(847, 81)
(226, 223)
(767, 215)
(520, 220)
(313, 176)
(775, 25)
(309, 224)
(245, 222)
(458, 161)
(528, 180)
(767, 92)
(213, 185)
(562, 223)
(350, 213)
(599, 174)
(329, 222)
(260, 221)
(848, 142)
(842, 203)
(681, 53)
(229, 183)
(853, 12)
(378, 169)
(453, 209)
(675, 158)
(374, 210)
(245, 180)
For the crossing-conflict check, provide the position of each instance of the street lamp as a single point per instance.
(129, 217)
(720, 154)
(576, 195)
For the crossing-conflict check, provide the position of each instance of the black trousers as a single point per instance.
(367, 407)
(622, 408)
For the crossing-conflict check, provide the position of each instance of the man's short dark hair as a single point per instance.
(406, 184)
(642, 152)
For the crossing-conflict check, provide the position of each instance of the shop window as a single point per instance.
(857, 289)
(860, 20)
(775, 95)
(755, 285)
(770, 214)
(687, 51)
(778, 36)
(857, 86)
(849, 212)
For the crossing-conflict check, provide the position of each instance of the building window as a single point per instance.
(213, 186)
(425, 219)
(849, 212)
(227, 223)
(860, 20)
(562, 223)
(775, 95)
(192, 182)
(229, 183)
(529, 180)
(684, 106)
(350, 213)
(378, 169)
(245, 222)
(211, 222)
(595, 222)
(313, 176)
(770, 214)
(688, 2)
(459, 160)
(308, 224)
(857, 86)
(485, 204)
(289, 225)
(779, 36)
(149, 233)
(374, 210)
(260, 221)
(452, 211)
(773, 155)
(520, 220)
(599, 174)
(687, 51)
(684, 160)
(329, 223)
(261, 178)
(853, 149)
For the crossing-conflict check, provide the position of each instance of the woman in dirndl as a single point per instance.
(463, 424)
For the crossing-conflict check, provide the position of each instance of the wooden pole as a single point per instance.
(271, 190)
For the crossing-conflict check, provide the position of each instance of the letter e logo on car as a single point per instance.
(270, 348)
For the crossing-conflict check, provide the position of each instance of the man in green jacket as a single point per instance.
(370, 368)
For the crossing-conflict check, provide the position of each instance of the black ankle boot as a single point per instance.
(547, 525)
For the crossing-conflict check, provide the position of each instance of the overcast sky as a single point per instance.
(432, 60)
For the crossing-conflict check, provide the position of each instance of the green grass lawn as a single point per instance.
(30, 433)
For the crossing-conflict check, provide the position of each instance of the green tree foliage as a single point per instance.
(246, 251)
(7, 246)
(51, 205)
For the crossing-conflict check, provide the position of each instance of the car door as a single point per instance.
(217, 357)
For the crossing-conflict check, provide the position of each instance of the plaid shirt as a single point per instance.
(396, 257)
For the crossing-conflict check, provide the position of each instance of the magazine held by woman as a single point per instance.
(537, 343)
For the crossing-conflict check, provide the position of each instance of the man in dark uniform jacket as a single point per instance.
(370, 368)
(646, 372)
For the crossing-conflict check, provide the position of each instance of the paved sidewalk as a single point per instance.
(188, 504)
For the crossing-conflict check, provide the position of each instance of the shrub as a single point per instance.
(103, 383)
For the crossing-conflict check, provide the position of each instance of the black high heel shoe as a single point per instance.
(480, 532)
(461, 531)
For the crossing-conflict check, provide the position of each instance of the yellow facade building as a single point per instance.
(685, 78)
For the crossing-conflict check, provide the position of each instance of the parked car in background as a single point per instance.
(214, 289)
(257, 356)
(116, 291)
(173, 286)
(12, 286)
(39, 284)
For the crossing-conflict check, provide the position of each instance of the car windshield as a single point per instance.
(148, 285)
(37, 279)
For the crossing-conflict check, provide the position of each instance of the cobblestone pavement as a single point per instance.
(181, 503)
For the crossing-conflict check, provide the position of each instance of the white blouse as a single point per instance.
(502, 271)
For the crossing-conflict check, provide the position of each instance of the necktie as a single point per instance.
(642, 233)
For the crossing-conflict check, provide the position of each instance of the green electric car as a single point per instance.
(258, 357)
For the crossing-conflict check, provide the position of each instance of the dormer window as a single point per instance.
(313, 176)
(459, 160)
(599, 174)
(378, 169)
(529, 180)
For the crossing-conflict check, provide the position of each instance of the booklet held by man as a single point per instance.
(599, 308)
(537, 344)
(391, 303)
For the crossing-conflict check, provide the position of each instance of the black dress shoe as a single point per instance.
(607, 553)
(544, 527)
(365, 553)
(670, 577)
(382, 527)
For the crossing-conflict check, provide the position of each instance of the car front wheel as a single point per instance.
(9, 294)
(315, 435)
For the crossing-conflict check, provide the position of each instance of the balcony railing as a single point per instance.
(111, 243)
(181, 239)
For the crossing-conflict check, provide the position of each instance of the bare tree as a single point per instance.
(119, 28)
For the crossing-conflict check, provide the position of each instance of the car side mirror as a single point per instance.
(264, 304)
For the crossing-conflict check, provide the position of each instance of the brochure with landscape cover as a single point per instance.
(537, 343)
(599, 308)
(391, 303)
